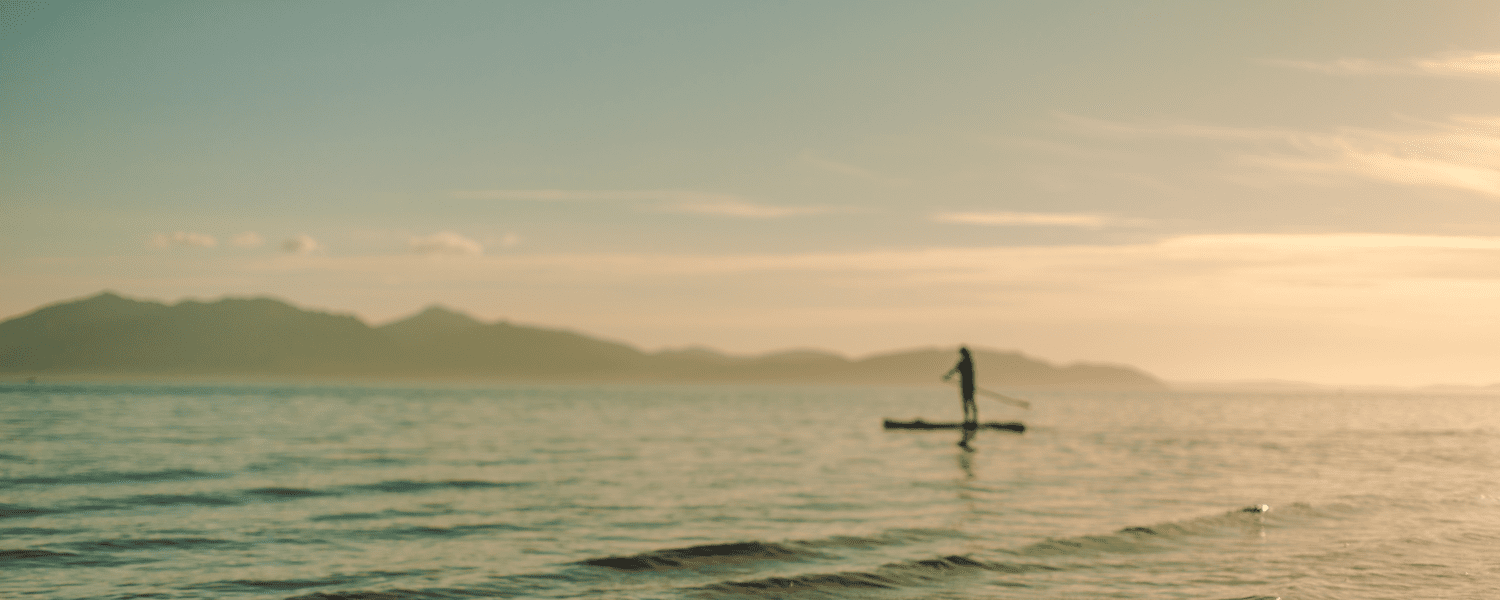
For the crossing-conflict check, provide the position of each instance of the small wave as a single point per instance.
(738, 552)
(1128, 540)
(807, 582)
(918, 572)
(397, 594)
(287, 493)
(289, 584)
(697, 556)
(11, 511)
(231, 498)
(885, 538)
(33, 557)
(13, 457)
(152, 500)
(385, 514)
(110, 477)
(150, 544)
(889, 576)
(1145, 538)
(228, 498)
(535, 585)
(442, 532)
(179, 499)
(404, 486)
(33, 554)
(242, 586)
(20, 531)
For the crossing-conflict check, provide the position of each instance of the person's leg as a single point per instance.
(971, 419)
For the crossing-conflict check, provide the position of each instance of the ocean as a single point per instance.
(434, 492)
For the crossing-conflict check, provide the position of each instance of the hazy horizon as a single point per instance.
(1259, 385)
(1204, 191)
(551, 326)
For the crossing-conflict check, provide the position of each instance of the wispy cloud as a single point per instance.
(810, 158)
(301, 244)
(1463, 153)
(557, 195)
(182, 238)
(1463, 65)
(1333, 241)
(1174, 129)
(1181, 262)
(1485, 65)
(1303, 300)
(1081, 220)
(509, 240)
(444, 242)
(1346, 66)
(248, 239)
(673, 201)
(1460, 153)
(738, 208)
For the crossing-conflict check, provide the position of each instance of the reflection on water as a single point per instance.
(652, 492)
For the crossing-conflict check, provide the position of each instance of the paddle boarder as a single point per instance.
(965, 371)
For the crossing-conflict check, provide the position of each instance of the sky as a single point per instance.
(1208, 191)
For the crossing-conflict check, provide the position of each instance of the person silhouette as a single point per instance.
(965, 371)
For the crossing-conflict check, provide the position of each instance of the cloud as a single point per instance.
(1460, 153)
(180, 238)
(741, 209)
(444, 242)
(300, 244)
(1463, 65)
(1342, 306)
(808, 157)
(546, 195)
(1484, 65)
(1196, 265)
(1345, 66)
(248, 239)
(1175, 129)
(1083, 220)
(672, 201)
(1463, 154)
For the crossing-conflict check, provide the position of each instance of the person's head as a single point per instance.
(964, 350)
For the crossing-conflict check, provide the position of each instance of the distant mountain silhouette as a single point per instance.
(110, 335)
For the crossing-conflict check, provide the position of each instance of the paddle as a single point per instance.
(1004, 398)
(1001, 397)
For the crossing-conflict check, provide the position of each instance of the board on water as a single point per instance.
(920, 424)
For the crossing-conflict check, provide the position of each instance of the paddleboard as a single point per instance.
(920, 424)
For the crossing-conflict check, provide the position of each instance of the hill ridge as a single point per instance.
(110, 334)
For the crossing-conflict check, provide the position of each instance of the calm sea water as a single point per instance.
(241, 492)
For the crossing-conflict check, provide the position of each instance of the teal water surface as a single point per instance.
(384, 492)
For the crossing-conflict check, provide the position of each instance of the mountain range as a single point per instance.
(107, 334)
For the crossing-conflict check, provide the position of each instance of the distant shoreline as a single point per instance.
(243, 379)
(1275, 388)
(110, 337)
